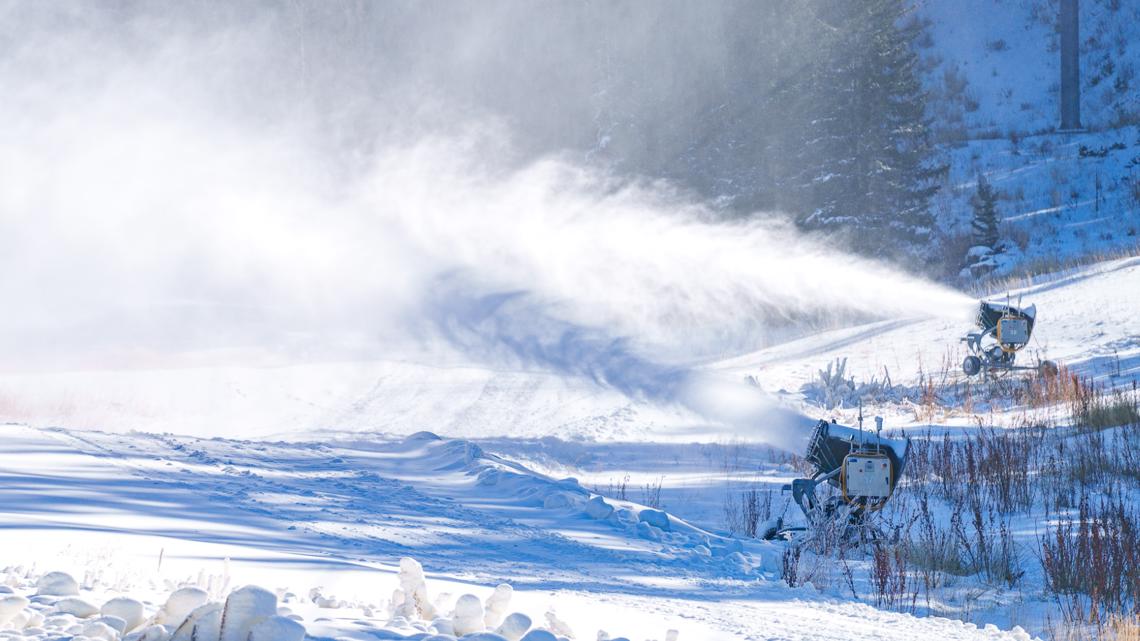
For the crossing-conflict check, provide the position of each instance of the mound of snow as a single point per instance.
(76, 607)
(496, 607)
(130, 611)
(180, 604)
(245, 608)
(413, 586)
(597, 508)
(57, 584)
(657, 518)
(514, 626)
(468, 615)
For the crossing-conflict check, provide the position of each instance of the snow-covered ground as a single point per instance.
(505, 488)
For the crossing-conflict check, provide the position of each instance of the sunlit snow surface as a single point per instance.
(490, 501)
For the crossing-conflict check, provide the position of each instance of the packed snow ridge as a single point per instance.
(53, 606)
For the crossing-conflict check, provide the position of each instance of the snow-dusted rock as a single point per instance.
(245, 608)
(657, 518)
(514, 626)
(468, 615)
(496, 607)
(597, 508)
(180, 604)
(57, 584)
(129, 610)
(76, 607)
(277, 628)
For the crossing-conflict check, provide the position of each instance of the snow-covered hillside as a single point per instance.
(992, 69)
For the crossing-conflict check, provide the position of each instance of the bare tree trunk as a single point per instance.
(1069, 23)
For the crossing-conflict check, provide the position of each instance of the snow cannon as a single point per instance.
(861, 471)
(1004, 330)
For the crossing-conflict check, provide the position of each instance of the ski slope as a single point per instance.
(499, 490)
(141, 514)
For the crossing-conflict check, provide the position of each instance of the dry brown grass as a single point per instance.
(1124, 628)
(1047, 269)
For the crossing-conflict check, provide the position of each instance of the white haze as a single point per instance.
(144, 219)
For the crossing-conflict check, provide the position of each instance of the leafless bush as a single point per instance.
(889, 577)
(791, 566)
(745, 511)
(1091, 562)
(651, 492)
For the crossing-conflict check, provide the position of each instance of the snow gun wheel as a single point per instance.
(972, 366)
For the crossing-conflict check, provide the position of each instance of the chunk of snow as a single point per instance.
(115, 622)
(597, 508)
(484, 636)
(129, 610)
(730, 546)
(647, 531)
(76, 607)
(416, 604)
(150, 633)
(671, 635)
(468, 615)
(626, 516)
(277, 628)
(657, 518)
(496, 607)
(180, 604)
(57, 584)
(100, 630)
(10, 606)
(443, 626)
(514, 626)
(539, 635)
(204, 623)
(559, 500)
(35, 619)
(245, 608)
(557, 626)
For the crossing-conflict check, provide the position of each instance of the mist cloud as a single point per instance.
(167, 196)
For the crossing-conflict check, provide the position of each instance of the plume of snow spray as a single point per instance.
(147, 219)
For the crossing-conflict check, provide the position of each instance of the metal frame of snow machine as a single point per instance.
(1004, 331)
(863, 468)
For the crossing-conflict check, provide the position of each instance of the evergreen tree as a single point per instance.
(985, 223)
(866, 159)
